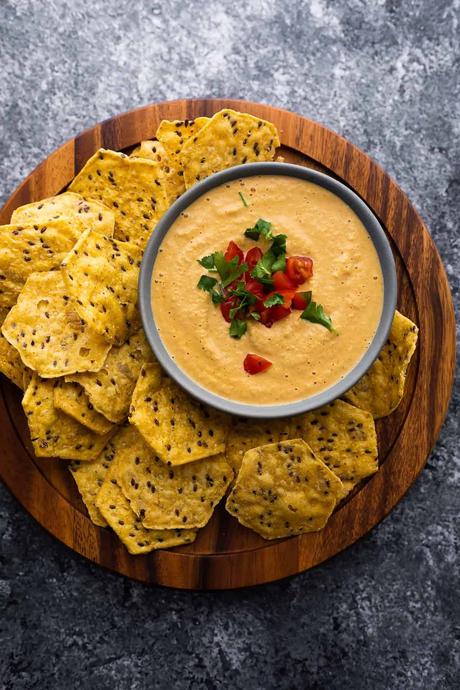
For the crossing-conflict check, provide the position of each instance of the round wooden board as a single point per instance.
(226, 555)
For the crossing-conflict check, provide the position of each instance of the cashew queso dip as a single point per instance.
(305, 357)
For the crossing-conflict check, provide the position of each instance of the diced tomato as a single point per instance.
(252, 257)
(225, 307)
(287, 295)
(255, 288)
(270, 315)
(282, 282)
(232, 251)
(299, 269)
(255, 364)
(299, 301)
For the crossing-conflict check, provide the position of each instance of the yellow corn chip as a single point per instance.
(173, 134)
(11, 364)
(72, 399)
(344, 438)
(132, 187)
(283, 489)
(81, 214)
(177, 427)
(173, 176)
(53, 433)
(244, 436)
(101, 277)
(228, 139)
(170, 497)
(110, 390)
(26, 249)
(48, 333)
(381, 389)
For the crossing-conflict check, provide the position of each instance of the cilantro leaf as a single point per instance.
(245, 203)
(316, 314)
(206, 283)
(207, 262)
(262, 227)
(228, 270)
(273, 260)
(274, 300)
(217, 296)
(237, 329)
(255, 315)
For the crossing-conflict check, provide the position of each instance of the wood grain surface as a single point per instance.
(225, 554)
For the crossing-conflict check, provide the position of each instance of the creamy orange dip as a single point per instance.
(307, 358)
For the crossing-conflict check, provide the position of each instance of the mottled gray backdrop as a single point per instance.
(384, 614)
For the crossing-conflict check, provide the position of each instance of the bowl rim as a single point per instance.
(386, 260)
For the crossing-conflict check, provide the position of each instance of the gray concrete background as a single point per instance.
(384, 614)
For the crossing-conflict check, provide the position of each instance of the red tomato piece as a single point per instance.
(230, 303)
(270, 315)
(252, 257)
(299, 301)
(255, 364)
(282, 282)
(255, 288)
(287, 295)
(299, 269)
(232, 251)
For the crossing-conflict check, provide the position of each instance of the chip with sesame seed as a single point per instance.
(173, 179)
(101, 276)
(48, 333)
(174, 134)
(178, 428)
(26, 249)
(72, 399)
(71, 207)
(166, 497)
(228, 139)
(381, 389)
(53, 433)
(11, 364)
(132, 187)
(283, 489)
(343, 437)
(111, 388)
(245, 435)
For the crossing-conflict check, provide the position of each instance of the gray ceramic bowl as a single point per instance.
(386, 261)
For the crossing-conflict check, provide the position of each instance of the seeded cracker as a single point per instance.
(53, 433)
(132, 187)
(170, 497)
(101, 276)
(110, 390)
(26, 249)
(177, 427)
(81, 214)
(72, 399)
(344, 438)
(283, 489)
(173, 134)
(115, 507)
(381, 389)
(173, 176)
(48, 333)
(228, 139)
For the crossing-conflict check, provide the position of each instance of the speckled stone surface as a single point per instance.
(384, 614)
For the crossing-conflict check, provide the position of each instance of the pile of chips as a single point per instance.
(150, 461)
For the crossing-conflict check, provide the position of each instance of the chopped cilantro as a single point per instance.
(228, 270)
(255, 315)
(245, 203)
(274, 300)
(206, 283)
(262, 227)
(207, 262)
(273, 260)
(237, 328)
(316, 314)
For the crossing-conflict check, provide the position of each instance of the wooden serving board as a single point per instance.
(225, 554)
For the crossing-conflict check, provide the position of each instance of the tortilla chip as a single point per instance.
(72, 399)
(283, 489)
(166, 497)
(26, 249)
(81, 214)
(228, 139)
(53, 433)
(173, 176)
(381, 389)
(48, 333)
(173, 134)
(101, 276)
(132, 187)
(178, 428)
(11, 364)
(244, 436)
(110, 390)
(344, 438)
